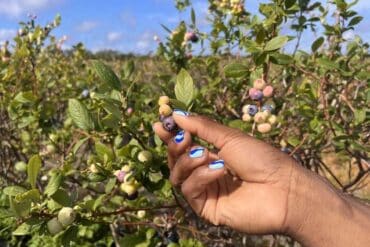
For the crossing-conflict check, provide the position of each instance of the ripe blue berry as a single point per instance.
(268, 107)
(172, 236)
(256, 95)
(85, 93)
(169, 123)
(252, 110)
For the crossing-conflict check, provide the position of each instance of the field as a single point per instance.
(71, 120)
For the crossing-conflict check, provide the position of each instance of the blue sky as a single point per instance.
(125, 25)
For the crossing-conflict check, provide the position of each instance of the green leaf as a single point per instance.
(98, 202)
(31, 195)
(104, 151)
(23, 229)
(77, 146)
(14, 190)
(61, 197)
(184, 88)
(33, 168)
(355, 20)
(327, 64)
(317, 44)
(107, 75)
(69, 236)
(236, 70)
(276, 43)
(20, 209)
(282, 59)
(360, 116)
(25, 97)
(294, 141)
(177, 104)
(193, 19)
(80, 115)
(53, 184)
(110, 185)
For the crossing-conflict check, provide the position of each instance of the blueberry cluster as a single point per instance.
(261, 112)
(129, 185)
(165, 114)
(235, 7)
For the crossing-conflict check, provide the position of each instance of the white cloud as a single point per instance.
(145, 42)
(114, 36)
(86, 26)
(6, 34)
(15, 8)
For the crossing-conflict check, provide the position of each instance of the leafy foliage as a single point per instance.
(79, 124)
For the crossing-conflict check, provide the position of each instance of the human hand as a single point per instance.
(255, 200)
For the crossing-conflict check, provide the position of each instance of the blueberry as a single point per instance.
(256, 95)
(172, 236)
(85, 93)
(169, 124)
(133, 196)
(252, 110)
(268, 107)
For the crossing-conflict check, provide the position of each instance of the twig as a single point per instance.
(299, 145)
(124, 210)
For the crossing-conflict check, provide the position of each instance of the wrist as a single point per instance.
(320, 215)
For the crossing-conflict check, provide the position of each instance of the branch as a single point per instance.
(124, 210)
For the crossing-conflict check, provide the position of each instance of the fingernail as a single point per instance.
(179, 137)
(196, 152)
(180, 112)
(217, 164)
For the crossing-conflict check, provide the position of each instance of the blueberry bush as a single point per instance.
(81, 166)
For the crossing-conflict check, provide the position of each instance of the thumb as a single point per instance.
(206, 129)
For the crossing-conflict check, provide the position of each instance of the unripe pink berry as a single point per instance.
(260, 117)
(268, 91)
(120, 175)
(259, 84)
(130, 111)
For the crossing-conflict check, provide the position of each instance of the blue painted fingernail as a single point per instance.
(179, 137)
(180, 112)
(217, 164)
(196, 152)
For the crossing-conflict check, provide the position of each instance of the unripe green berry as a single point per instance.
(246, 117)
(93, 168)
(126, 168)
(165, 110)
(54, 226)
(129, 189)
(145, 156)
(245, 109)
(272, 119)
(141, 214)
(20, 166)
(66, 216)
(53, 137)
(50, 149)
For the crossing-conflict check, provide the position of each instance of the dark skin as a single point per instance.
(268, 191)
